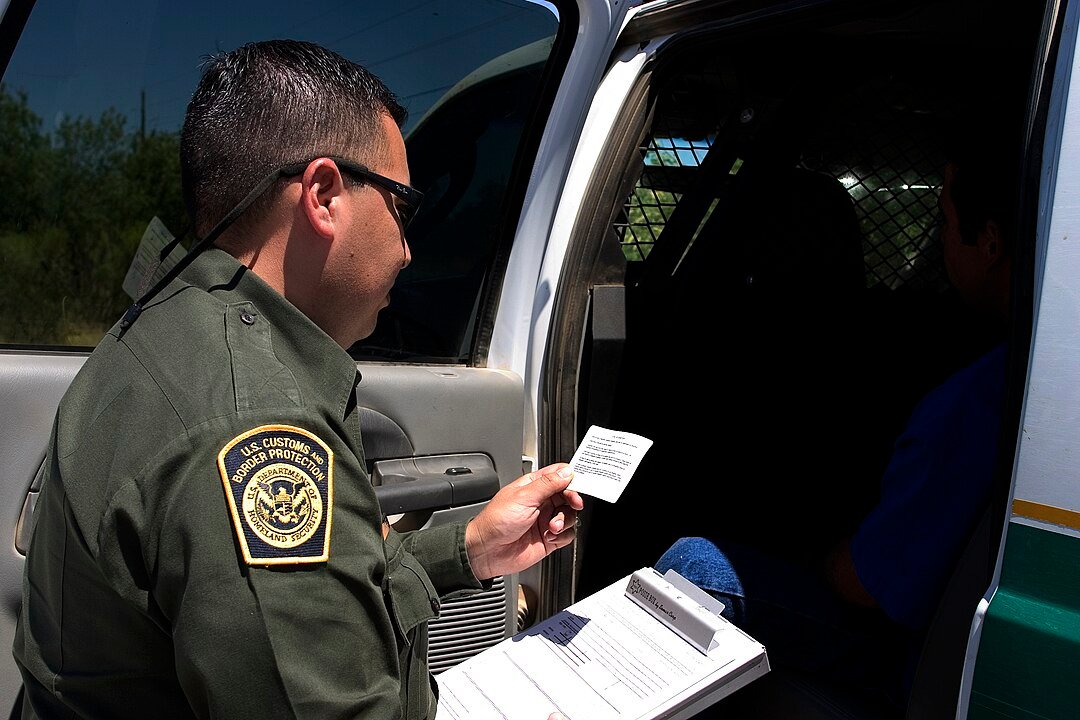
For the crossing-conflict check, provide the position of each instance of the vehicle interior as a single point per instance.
(767, 297)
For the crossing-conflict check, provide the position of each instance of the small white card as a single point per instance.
(605, 461)
(147, 267)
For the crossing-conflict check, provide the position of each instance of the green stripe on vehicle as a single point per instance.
(1026, 666)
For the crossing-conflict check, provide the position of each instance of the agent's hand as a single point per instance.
(523, 523)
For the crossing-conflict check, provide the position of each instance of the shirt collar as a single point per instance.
(299, 343)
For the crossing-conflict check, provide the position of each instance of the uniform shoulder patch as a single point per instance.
(279, 482)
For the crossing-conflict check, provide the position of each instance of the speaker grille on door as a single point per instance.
(467, 626)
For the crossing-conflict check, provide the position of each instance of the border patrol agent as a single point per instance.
(207, 542)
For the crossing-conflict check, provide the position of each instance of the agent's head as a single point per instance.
(330, 234)
(269, 103)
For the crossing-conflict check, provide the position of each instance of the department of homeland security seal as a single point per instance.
(279, 483)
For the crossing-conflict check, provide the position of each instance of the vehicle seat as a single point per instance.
(935, 690)
(759, 302)
(770, 290)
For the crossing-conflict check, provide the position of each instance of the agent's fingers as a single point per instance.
(528, 479)
(548, 469)
(573, 499)
(562, 539)
(564, 518)
(546, 487)
(562, 525)
(555, 525)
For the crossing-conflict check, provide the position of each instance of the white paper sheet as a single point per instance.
(605, 460)
(603, 658)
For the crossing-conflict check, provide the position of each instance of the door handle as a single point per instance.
(24, 528)
(434, 482)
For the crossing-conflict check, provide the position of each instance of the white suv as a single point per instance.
(712, 222)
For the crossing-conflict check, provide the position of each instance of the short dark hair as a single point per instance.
(985, 146)
(269, 103)
(985, 183)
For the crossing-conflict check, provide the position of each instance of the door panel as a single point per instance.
(1025, 643)
(31, 386)
(457, 417)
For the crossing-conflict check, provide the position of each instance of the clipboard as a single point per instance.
(648, 646)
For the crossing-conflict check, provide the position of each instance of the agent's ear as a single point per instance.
(321, 189)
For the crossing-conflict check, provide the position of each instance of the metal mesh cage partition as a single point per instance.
(876, 140)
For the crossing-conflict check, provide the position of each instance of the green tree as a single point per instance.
(73, 207)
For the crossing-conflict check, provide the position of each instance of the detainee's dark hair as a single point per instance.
(986, 174)
(269, 103)
(985, 148)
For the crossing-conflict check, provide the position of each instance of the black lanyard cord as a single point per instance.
(136, 309)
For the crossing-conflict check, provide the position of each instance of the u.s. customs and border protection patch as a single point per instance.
(279, 481)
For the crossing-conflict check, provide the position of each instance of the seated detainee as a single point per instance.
(860, 617)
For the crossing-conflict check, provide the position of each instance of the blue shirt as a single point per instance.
(933, 492)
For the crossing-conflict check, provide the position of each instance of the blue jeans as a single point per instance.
(803, 625)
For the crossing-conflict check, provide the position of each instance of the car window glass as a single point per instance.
(91, 106)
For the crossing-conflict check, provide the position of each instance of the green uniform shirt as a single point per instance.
(138, 599)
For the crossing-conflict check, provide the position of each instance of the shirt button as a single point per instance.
(247, 318)
(436, 606)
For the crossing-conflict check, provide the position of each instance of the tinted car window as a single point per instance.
(91, 106)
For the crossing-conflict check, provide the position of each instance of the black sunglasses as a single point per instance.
(410, 201)
(410, 197)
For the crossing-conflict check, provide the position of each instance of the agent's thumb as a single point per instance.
(553, 482)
